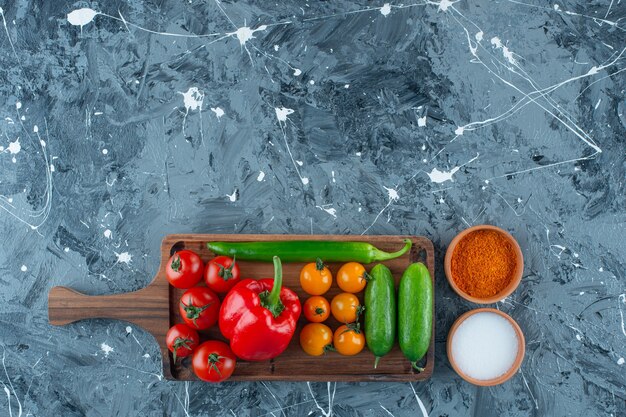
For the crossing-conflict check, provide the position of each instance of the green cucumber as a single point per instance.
(380, 312)
(415, 312)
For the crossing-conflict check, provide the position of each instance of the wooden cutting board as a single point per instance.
(155, 309)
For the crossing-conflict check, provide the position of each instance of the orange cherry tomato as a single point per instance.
(348, 340)
(316, 309)
(315, 278)
(316, 339)
(344, 307)
(352, 277)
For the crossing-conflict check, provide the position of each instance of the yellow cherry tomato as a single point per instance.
(315, 278)
(344, 307)
(348, 340)
(352, 277)
(316, 339)
(316, 309)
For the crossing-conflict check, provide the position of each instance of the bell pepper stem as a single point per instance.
(271, 300)
(274, 297)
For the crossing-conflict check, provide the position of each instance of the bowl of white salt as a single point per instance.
(485, 346)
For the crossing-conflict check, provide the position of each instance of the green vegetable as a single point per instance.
(415, 312)
(380, 312)
(306, 251)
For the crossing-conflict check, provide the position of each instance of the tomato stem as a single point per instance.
(181, 343)
(214, 359)
(176, 264)
(319, 264)
(227, 273)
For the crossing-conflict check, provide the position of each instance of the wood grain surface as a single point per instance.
(155, 309)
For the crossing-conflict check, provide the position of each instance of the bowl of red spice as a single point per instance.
(484, 264)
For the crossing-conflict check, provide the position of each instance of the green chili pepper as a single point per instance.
(306, 251)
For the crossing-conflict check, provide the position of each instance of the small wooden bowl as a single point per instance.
(521, 349)
(517, 274)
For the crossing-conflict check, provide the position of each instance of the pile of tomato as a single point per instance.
(199, 306)
(316, 338)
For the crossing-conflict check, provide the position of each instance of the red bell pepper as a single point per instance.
(259, 317)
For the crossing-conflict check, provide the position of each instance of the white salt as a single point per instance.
(484, 346)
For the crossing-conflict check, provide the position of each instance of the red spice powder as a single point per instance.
(483, 263)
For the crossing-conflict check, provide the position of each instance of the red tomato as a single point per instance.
(181, 340)
(213, 361)
(184, 269)
(221, 274)
(199, 307)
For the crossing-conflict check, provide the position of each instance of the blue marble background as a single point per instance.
(154, 117)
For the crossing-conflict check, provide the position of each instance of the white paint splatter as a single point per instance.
(276, 48)
(579, 337)
(392, 193)
(105, 151)
(24, 268)
(106, 349)
(232, 197)
(620, 361)
(108, 234)
(622, 300)
(557, 7)
(35, 129)
(328, 209)
(193, 98)
(332, 174)
(52, 169)
(218, 112)
(346, 86)
(419, 402)
(421, 121)
(300, 163)
(98, 113)
(444, 5)
(261, 176)
(124, 257)
(438, 177)
(358, 154)
(15, 147)
(81, 17)
(18, 105)
(146, 355)
(297, 72)
(282, 113)
(129, 329)
(479, 36)
(244, 34)
(386, 9)
(312, 82)
(510, 56)
(459, 131)
(597, 104)
(66, 249)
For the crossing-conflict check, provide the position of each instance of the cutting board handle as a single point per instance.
(146, 308)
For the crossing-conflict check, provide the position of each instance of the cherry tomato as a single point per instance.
(213, 361)
(352, 277)
(316, 309)
(315, 278)
(199, 307)
(221, 274)
(348, 340)
(344, 307)
(184, 269)
(316, 339)
(181, 340)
